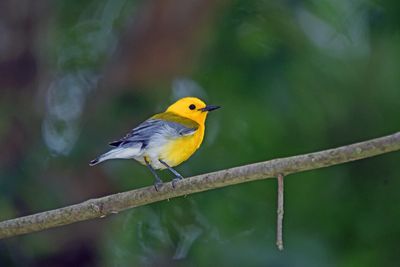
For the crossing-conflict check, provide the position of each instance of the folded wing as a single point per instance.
(171, 125)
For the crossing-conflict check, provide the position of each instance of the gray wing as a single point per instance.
(148, 128)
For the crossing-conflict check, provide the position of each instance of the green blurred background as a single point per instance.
(292, 76)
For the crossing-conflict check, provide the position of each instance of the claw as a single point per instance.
(158, 185)
(174, 181)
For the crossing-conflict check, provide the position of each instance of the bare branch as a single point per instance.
(100, 207)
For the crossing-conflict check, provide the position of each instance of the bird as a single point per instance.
(165, 140)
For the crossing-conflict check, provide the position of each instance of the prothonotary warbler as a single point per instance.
(165, 140)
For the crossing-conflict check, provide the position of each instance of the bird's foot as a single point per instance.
(158, 185)
(175, 180)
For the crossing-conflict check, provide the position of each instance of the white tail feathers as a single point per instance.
(118, 153)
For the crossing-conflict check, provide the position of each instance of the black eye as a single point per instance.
(192, 107)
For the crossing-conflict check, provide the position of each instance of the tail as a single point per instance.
(118, 153)
(95, 161)
(99, 159)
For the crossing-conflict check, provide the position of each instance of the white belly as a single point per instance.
(153, 151)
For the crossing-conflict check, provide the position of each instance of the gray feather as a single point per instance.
(144, 132)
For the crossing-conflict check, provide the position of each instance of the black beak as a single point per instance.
(209, 108)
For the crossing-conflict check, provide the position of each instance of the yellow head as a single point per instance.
(191, 108)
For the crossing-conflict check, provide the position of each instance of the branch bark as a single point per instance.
(279, 211)
(101, 207)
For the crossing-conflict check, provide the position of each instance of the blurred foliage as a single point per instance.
(292, 77)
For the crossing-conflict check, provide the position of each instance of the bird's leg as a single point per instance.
(158, 183)
(178, 176)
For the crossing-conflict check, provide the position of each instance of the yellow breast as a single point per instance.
(180, 149)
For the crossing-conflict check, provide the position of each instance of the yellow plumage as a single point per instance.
(179, 150)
